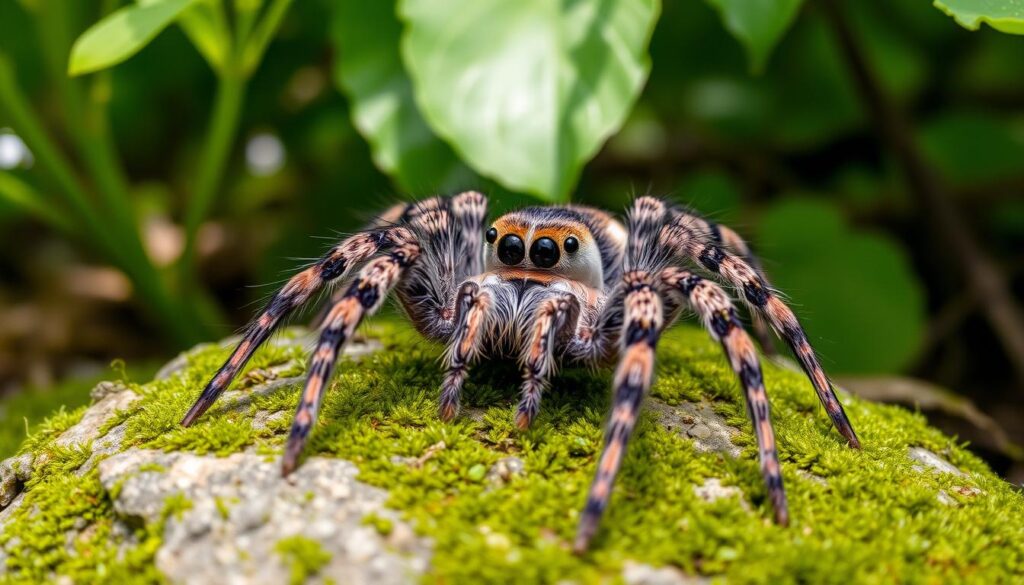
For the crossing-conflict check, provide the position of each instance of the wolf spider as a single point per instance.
(544, 285)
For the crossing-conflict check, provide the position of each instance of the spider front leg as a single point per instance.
(363, 297)
(680, 238)
(331, 268)
(641, 328)
(719, 317)
(472, 311)
(553, 321)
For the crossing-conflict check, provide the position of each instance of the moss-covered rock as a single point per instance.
(117, 491)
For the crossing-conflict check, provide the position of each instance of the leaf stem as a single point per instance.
(224, 122)
(137, 266)
(24, 196)
(256, 45)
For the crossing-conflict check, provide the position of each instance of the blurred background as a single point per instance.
(165, 164)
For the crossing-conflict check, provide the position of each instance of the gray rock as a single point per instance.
(241, 508)
(113, 398)
(14, 472)
(263, 418)
(712, 490)
(640, 574)
(178, 364)
(698, 422)
(505, 469)
(932, 461)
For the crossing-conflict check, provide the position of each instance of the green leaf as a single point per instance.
(1003, 15)
(528, 91)
(758, 24)
(369, 70)
(854, 291)
(207, 28)
(971, 147)
(122, 34)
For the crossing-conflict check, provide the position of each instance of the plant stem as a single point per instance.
(982, 273)
(147, 281)
(257, 44)
(21, 194)
(250, 42)
(86, 119)
(25, 124)
(224, 121)
(86, 122)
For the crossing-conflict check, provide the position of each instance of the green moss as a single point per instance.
(304, 557)
(874, 518)
(222, 507)
(154, 467)
(383, 526)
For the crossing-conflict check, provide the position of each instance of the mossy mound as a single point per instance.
(877, 515)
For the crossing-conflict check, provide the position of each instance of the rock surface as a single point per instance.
(234, 511)
(240, 507)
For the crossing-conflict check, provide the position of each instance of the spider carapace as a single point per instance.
(544, 286)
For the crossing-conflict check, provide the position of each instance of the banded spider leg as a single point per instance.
(392, 250)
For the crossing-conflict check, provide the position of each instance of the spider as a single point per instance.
(544, 285)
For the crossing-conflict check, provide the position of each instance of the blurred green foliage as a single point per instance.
(21, 415)
(742, 109)
(835, 276)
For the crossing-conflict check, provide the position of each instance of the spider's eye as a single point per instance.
(491, 235)
(571, 244)
(544, 253)
(511, 250)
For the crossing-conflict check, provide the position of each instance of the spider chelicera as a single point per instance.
(544, 285)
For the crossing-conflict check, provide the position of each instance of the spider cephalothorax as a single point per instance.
(544, 286)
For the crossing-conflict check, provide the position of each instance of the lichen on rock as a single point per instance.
(119, 492)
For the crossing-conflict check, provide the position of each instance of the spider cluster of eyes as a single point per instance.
(544, 252)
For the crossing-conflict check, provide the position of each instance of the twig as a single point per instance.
(982, 273)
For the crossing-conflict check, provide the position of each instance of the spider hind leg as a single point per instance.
(719, 317)
(685, 238)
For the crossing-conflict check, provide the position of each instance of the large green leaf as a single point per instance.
(854, 291)
(973, 147)
(122, 34)
(369, 70)
(527, 91)
(1003, 15)
(758, 24)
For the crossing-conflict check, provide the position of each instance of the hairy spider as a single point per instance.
(544, 285)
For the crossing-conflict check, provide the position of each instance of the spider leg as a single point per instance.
(641, 328)
(719, 317)
(451, 232)
(553, 321)
(732, 241)
(472, 311)
(469, 211)
(683, 239)
(363, 297)
(297, 291)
